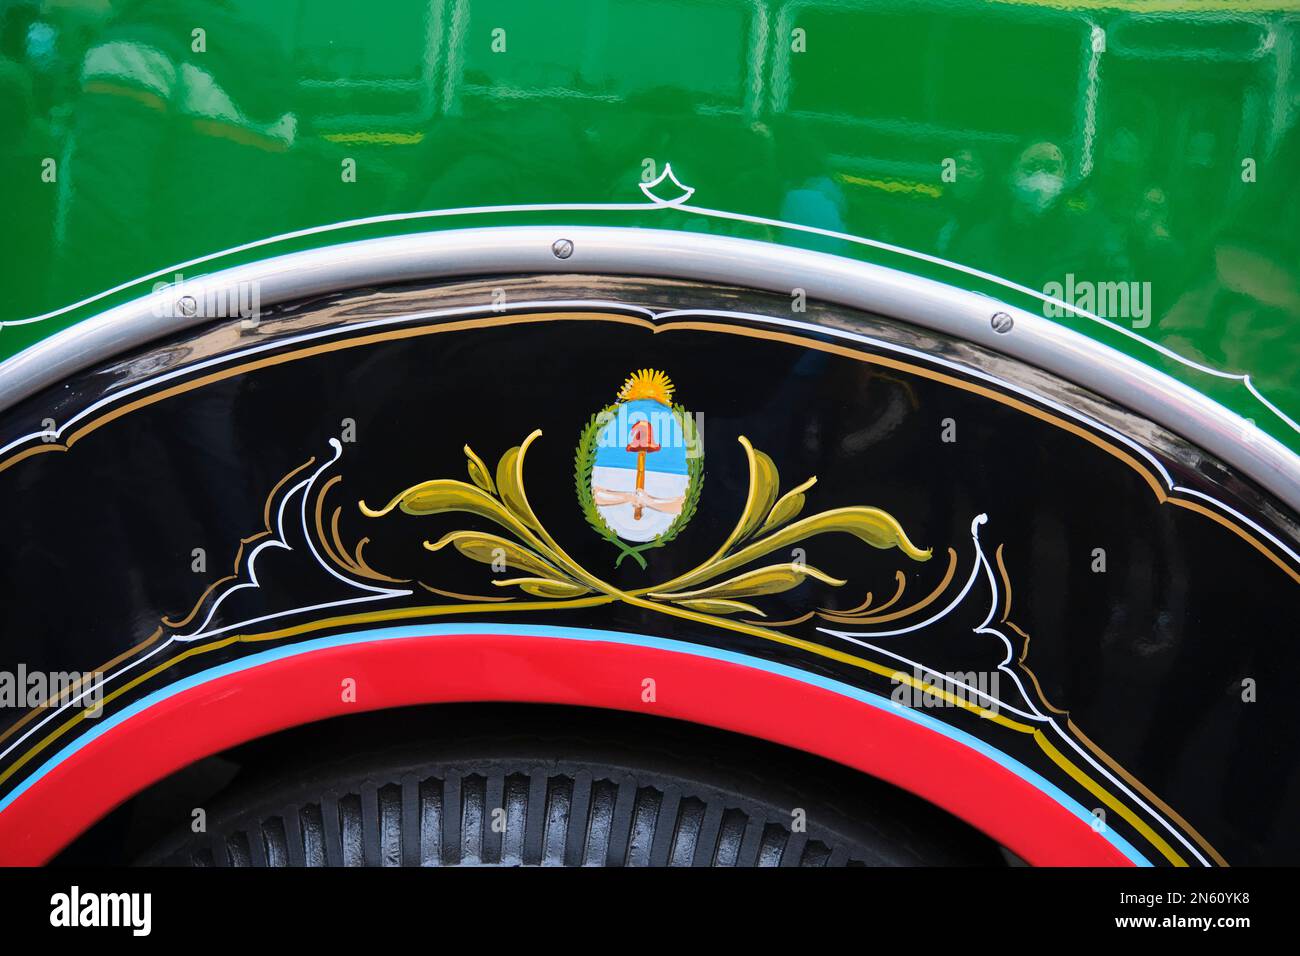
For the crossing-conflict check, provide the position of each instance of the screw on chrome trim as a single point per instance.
(1002, 322)
(186, 305)
(563, 248)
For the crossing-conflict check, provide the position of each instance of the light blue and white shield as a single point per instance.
(640, 478)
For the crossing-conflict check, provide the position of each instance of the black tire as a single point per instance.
(593, 790)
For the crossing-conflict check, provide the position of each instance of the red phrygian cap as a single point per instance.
(643, 438)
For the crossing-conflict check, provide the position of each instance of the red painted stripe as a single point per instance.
(229, 710)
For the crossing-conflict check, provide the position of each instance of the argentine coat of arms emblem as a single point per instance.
(639, 467)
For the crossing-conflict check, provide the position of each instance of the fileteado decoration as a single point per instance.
(639, 474)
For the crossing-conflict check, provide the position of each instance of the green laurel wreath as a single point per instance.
(585, 460)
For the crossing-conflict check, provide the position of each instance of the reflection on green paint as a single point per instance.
(1053, 142)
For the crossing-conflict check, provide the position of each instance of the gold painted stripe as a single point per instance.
(243, 543)
(69, 691)
(1097, 751)
(1097, 790)
(1142, 788)
(396, 614)
(1070, 768)
(878, 618)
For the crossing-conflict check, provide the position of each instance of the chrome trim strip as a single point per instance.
(671, 254)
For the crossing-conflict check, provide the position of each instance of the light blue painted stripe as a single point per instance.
(104, 725)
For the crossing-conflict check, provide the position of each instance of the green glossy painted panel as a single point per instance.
(1090, 142)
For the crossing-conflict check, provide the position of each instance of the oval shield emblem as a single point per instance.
(639, 466)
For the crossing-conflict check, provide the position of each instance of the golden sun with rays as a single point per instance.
(647, 383)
